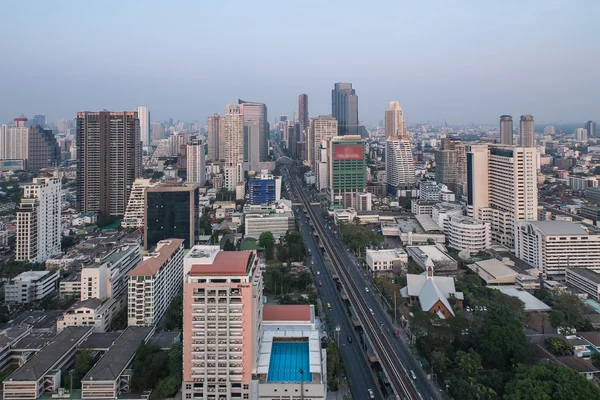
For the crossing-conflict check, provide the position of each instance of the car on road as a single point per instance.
(349, 339)
(397, 334)
(318, 272)
(320, 283)
(412, 374)
(372, 313)
(328, 305)
(366, 289)
(371, 394)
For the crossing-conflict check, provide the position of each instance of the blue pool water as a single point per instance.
(287, 359)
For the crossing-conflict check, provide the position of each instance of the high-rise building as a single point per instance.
(196, 162)
(506, 129)
(451, 165)
(264, 189)
(38, 120)
(39, 221)
(231, 129)
(549, 130)
(144, 117)
(154, 282)
(394, 121)
(136, 207)
(590, 126)
(251, 145)
(14, 140)
(502, 187)
(344, 108)
(293, 134)
(303, 112)
(322, 128)
(399, 164)
(347, 169)
(43, 149)
(257, 112)
(158, 131)
(214, 138)
(222, 322)
(527, 131)
(581, 135)
(321, 166)
(109, 159)
(172, 211)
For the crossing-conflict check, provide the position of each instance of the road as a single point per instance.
(397, 375)
(358, 370)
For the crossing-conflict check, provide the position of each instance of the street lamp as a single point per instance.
(337, 333)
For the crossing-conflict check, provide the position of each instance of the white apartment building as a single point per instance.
(585, 280)
(442, 212)
(583, 182)
(108, 276)
(154, 283)
(322, 130)
(92, 313)
(144, 117)
(39, 221)
(553, 246)
(222, 323)
(231, 129)
(278, 223)
(502, 187)
(467, 233)
(386, 260)
(422, 207)
(14, 140)
(196, 162)
(429, 191)
(322, 166)
(399, 164)
(136, 206)
(29, 286)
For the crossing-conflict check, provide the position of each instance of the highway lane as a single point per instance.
(358, 370)
(372, 298)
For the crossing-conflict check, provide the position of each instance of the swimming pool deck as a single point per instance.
(288, 359)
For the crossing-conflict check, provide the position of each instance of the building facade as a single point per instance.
(144, 117)
(388, 260)
(154, 282)
(29, 286)
(231, 129)
(214, 137)
(303, 112)
(264, 189)
(136, 206)
(394, 121)
(322, 128)
(347, 169)
(109, 159)
(196, 162)
(451, 165)
(527, 131)
(466, 233)
(590, 126)
(257, 113)
(506, 129)
(399, 164)
(344, 108)
(39, 221)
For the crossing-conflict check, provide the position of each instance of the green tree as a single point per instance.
(83, 363)
(149, 367)
(67, 242)
(173, 318)
(229, 246)
(551, 381)
(267, 241)
(558, 346)
(596, 360)
(572, 307)
(464, 383)
(14, 268)
(334, 365)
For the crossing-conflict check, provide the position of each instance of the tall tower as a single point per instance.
(394, 121)
(527, 130)
(451, 165)
(344, 108)
(196, 162)
(347, 169)
(39, 221)
(257, 112)
(231, 130)
(144, 117)
(322, 128)
(214, 138)
(590, 126)
(506, 129)
(399, 164)
(303, 112)
(109, 159)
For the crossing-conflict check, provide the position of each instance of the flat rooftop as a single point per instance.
(30, 276)
(531, 303)
(152, 262)
(288, 312)
(387, 254)
(164, 340)
(225, 263)
(287, 359)
(429, 251)
(100, 341)
(118, 357)
(559, 227)
(45, 359)
(586, 273)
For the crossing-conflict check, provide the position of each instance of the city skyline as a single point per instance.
(469, 86)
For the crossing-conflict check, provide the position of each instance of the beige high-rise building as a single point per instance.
(322, 128)
(394, 121)
(196, 162)
(451, 165)
(214, 137)
(502, 187)
(527, 131)
(109, 159)
(506, 129)
(231, 128)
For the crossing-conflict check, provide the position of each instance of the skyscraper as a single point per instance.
(39, 221)
(581, 135)
(324, 127)
(502, 187)
(506, 129)
(144, 117)
(257, 112)
(451, 165)
(251, 145)
(196, 162)
(399, 164)
(591, 129)
(108, 160)
(303, 112)
(527, 131)
(231, 130)
(347, 169)
(14, 140)
(344, 108)
(214, 138)
(394, 121)
(35, 146)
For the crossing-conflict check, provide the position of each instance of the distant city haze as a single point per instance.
(464, 61)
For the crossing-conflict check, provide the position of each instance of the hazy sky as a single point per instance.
(466, 61)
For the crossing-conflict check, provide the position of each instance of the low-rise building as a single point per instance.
(552, 246)
(584, 280)
(466, 233)
(442, 212)
(70, 286)
(29, 286)
(433, 256)
(433, 293)
(422, 207)
(94, 313)
(383, 261)
(494, 272)
(154, 283)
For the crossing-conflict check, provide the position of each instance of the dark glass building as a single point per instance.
(171, 212)
(344, 108)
